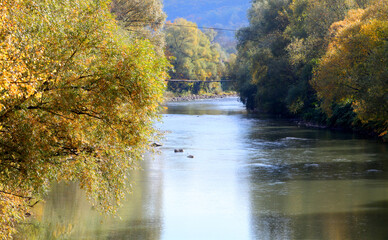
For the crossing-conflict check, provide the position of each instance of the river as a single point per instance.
(248, 178)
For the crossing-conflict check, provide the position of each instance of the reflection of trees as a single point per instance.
(66, 213)
(142, 214)
(367, 223)
(206, 108)
(271, 227)
(309, 184)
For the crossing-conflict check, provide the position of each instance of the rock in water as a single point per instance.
(156, 145)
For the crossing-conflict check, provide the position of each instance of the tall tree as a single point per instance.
(281, 47)
(194, 56)
(308, 31)
(77, 102)
(355, 67)
(262, 58)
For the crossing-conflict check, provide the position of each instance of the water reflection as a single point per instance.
(229, 106)
(250, 178)
(67, 214)
(309, 184)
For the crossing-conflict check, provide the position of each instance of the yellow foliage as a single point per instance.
(355, 65)
(195, 57)
(77, 102)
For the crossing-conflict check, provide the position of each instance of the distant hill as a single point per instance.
(230, 14)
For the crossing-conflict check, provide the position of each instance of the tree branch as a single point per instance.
(16, 195)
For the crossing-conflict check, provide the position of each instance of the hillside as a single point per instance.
(230, 14)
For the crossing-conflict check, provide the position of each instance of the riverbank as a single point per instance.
(171, 97)
(336, 125)
(359, 131)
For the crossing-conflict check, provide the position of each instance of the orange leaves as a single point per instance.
(19, 57)
(355, 65)
(11, 213)
(375, 30)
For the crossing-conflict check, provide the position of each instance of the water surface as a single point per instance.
(250, 178)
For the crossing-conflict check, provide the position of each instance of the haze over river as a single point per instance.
(250, 178)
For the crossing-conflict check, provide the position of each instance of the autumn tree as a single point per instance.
(283, 44)
(77, 102)
(194, 56)
(355, 67)
(141, 19)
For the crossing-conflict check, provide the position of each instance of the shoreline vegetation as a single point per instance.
(333, 73)
(300, 122)
(174, 97)
(82, 82)
(80, 89)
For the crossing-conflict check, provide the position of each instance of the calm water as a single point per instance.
(250, 178)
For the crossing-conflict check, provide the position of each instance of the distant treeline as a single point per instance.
(325, 61)
(196, 55)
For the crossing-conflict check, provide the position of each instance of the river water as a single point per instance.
(249, 178)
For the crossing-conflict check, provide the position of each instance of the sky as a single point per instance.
(229, 14)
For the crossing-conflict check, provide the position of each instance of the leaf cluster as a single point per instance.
(142, 19)
(194, 55)
(77, 102)
(354, 68)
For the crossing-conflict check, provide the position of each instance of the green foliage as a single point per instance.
(263, 66)
(298, 56)
(77, 102)
(342, 116)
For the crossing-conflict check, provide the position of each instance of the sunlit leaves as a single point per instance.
(194, 56)
(285, 42)
(77, 100)
(354, 68)
(142, 19)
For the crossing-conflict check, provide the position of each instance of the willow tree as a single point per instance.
(77, 102)
(142, 19)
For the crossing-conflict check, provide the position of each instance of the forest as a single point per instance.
(196, 55)
(324, 61)
(82, 83)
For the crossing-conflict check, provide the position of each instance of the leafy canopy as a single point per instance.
(142, 19)
(307, 58)
(355, 66)
(77, 102)
(194, 55)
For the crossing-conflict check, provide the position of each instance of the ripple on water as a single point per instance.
(294, 139)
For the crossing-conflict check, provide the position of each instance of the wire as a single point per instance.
(201, 27)
(184, 25)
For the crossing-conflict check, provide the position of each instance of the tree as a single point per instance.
(355, 67)
(142, 19)
(288, 43)
(77, 102)
(263, 60)
(194, 56)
